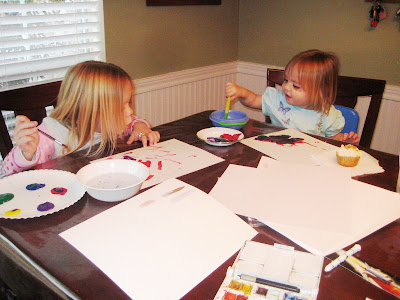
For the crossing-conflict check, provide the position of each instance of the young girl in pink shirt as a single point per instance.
(94, 109)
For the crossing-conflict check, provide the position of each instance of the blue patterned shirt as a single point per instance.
(309, 121)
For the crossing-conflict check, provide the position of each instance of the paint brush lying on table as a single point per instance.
(54, 139)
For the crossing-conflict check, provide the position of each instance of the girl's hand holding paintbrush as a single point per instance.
(245, 96)
(26, 136)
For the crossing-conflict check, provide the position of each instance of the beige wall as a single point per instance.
(272, 31)
(148, 41)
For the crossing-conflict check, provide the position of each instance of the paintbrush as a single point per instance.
(54, 139)
(228, 104)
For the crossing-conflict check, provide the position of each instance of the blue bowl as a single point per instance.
(236, 119)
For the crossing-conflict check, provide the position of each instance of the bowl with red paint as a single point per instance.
(113, 180)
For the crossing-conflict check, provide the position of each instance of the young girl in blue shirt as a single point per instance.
(306, 100)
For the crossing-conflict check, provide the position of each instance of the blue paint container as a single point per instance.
(236, 119)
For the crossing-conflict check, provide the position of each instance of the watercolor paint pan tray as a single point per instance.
(278, 272)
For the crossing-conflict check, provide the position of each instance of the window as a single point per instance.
(41, 39)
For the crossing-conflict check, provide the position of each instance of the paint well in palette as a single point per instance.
(6, 197)
(113, 181)
(13, 212)
(35, 186)
(58, 191)
(46, 206)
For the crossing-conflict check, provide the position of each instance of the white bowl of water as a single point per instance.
(113, 179)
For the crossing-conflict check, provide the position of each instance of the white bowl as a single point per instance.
(113, 179)
(214, 136)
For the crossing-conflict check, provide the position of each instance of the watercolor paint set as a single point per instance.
(277, 272)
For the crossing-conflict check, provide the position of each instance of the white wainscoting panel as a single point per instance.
(168, 97)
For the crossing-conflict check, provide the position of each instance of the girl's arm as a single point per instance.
(26, 136)
(245, 96)
(15, 161)
(350, 137)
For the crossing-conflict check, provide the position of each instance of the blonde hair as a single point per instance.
(317, 72)
(90, 98)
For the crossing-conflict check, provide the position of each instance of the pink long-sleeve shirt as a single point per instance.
(47, 149)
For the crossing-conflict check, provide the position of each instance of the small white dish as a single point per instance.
(37, 193)
(114, 179)
(214, 136)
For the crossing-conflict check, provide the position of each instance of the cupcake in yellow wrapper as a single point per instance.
(348, 156)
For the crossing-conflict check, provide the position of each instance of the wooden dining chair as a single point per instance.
(349, 89)
(29, 101)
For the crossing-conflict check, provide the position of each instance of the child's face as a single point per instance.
(127, 98)
(294, 92)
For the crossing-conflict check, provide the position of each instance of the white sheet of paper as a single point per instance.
(367, 164)
(295, 195)
(169, 159)
(155, 238)
(371, 208)
(297, 153)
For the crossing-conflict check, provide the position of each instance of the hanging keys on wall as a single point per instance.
(377, 13)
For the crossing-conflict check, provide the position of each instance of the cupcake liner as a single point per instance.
(348, 161)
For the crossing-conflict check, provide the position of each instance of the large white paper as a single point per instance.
(169, 159)
(296, 195)
(371, 208)
(299, 152)
(367, 164)
(174, 239)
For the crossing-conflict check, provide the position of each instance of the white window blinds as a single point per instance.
(41, 39)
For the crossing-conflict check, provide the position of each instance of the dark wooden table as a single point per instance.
(39, 241)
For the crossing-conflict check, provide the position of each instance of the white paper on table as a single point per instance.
(295, 195)
(169, 159)
(176, 239)
(371, 208)
(297, 153)
(367, 164)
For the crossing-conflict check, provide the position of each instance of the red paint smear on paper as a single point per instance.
(150, 177)
(159, 164)
(147, 163)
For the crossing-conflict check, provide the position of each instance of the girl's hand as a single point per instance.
(140, 132)
(26, 136)
(350, 137)
(233, 90)
(245, 96)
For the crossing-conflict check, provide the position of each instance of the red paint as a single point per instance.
(58, 191)
(230, 137)
(159, 164)
(147, 163)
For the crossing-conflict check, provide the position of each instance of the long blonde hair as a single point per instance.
(90, 98)
(317, 72)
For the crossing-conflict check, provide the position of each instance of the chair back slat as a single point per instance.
(349, 89)
(29, 101)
